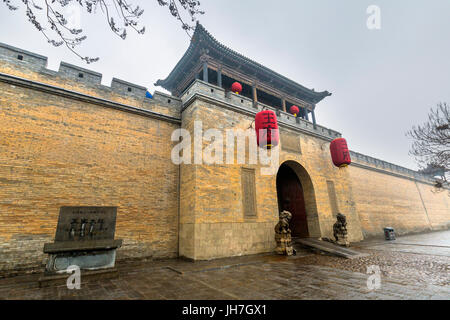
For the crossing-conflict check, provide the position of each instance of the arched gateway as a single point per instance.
(295, 193)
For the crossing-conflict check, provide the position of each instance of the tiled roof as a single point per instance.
(203, 39)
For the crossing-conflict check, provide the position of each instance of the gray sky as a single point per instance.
(383, 81)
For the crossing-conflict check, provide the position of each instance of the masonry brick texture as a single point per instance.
(56, 151)
(408, 206)
(212, 222)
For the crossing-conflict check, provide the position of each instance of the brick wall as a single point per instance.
(57, 151)
(212, 221)
(82, 143)
(383, 200)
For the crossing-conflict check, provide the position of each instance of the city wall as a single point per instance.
(387, 195)
(66, 139)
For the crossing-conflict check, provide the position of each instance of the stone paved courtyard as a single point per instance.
(412, 267)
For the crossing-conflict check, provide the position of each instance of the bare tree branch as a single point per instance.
(54, 24)
(431, 145)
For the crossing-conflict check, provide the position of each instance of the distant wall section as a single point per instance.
(386, 195)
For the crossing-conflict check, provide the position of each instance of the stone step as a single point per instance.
(329, 247)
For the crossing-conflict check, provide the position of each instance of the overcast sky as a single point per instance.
(383, 81)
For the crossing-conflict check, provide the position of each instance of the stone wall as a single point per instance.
(212, 220)
(66, 139)
(385, 198)
(71, 144)
(372, 193)
(212, 223)
(83, 81)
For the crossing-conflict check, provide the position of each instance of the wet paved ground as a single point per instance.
(408, 271)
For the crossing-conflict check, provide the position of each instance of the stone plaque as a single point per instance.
(248, 192)
(84, 237)
(290, 142)
(332, 197)
(86, 223)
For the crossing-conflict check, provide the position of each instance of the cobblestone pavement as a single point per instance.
(422, 258)
(404, 275)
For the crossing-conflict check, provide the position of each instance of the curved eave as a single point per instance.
(168, 83)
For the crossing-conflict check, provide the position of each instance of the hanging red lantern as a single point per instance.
(236, 87)
(294, 110)
(340, 153)
(266, 126)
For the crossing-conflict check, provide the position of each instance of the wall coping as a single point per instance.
(77, 68)
(22, 51)
(212, 93)
(371, 163)
(117, 86)
(43, 87)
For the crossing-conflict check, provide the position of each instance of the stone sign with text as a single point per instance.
(84, 237)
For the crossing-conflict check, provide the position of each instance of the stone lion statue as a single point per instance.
(283, 235)
(340, 230)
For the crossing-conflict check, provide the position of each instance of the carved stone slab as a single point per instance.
(248, 192)
(84, 237)
(290, 142)
(86, 223)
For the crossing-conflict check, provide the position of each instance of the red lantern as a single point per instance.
(339, 153)
(294, 110)
(266, 127)
(236, 87)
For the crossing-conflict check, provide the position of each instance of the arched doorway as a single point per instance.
(296, 194)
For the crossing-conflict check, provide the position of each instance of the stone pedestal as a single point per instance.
(84, 238)
(87, 255)
(284, 244)
(343, 241)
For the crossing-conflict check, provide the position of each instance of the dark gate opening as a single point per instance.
(291, 198)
